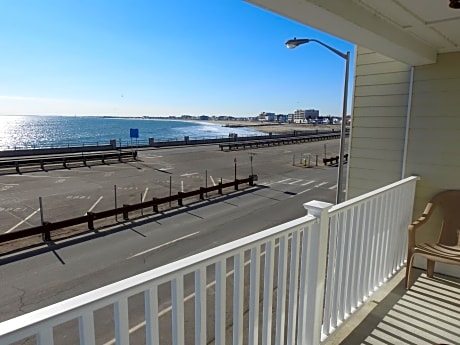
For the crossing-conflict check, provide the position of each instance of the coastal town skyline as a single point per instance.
(161, 59)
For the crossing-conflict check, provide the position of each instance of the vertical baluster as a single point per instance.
(254, 296)
(304, 276)
(200, 306)
(151, 316)
(372, 244)
(394, 231)
(86, 328)
(121, 321)
(363, 284)
(268, 293)
(45, 336)
(330, 276)
(220, 302)
(281, 290)
(177, 297)
(356, 250)
(352, 261)
(378, 244)
(338, 271)
(345, 258)
(238, 294)
(385, 269)
(360, 255)
(293, 287)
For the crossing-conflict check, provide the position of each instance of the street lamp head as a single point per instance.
(293, 43)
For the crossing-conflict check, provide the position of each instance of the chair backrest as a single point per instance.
(449, 204)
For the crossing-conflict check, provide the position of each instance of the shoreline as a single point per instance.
(275, 128)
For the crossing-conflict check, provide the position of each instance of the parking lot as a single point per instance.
(72, 192)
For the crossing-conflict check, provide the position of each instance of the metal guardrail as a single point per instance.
(17, 163)
(48, 227)
(278, 141)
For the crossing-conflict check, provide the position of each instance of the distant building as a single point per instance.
(270, 117)
(204, 117)
(264, 116)
(282, 118)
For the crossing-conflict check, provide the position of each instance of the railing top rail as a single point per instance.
(132, 285)
(366, 196)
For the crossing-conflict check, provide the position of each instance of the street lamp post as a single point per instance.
(295, 42)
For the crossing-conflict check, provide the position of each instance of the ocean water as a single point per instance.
(55, 131)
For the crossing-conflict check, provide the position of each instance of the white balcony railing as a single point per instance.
(288, 284)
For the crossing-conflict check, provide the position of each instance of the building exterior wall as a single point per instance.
(434, 136)
(380, 103)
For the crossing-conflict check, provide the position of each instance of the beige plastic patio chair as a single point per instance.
(447, 248)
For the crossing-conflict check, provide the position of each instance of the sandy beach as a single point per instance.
(276, 128)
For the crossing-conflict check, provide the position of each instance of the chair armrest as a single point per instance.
(419, 222)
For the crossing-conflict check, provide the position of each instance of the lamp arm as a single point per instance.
(339, 53)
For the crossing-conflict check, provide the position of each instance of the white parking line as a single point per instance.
(295, 181)
(94, 205)
(307, 183)
(145, 194)
(189, 174)
(22, 221)
(283, 180)
(163, 245)
(212, 180)
(333, 187)
(164, 169)
(304, 191)
(320, 184)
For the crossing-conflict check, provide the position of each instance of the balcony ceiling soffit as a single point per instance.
(412, 31)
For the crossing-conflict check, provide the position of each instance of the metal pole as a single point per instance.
(115, 192)
(252, 171)
(206, 181)
(342, 133)
(41, 209)
(170, 189)
(235, 167)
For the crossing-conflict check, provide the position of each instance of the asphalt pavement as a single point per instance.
(46, 274)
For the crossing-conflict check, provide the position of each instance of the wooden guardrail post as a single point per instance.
(42, 164)
(220, 188)
(155, 205)
(17, 167)
(46, 234)
(91, 217)
(236, 184)
(202, 191)
(64, 163)
(179, 199)
(125, 212)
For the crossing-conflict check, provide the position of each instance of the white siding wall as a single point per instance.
(378, 122)
(434, 137)
(378, 130)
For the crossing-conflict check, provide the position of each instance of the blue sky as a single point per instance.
(147, 57)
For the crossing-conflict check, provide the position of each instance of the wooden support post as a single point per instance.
(91, 218)
(155, 205)
(46, 234)
(125, 212)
